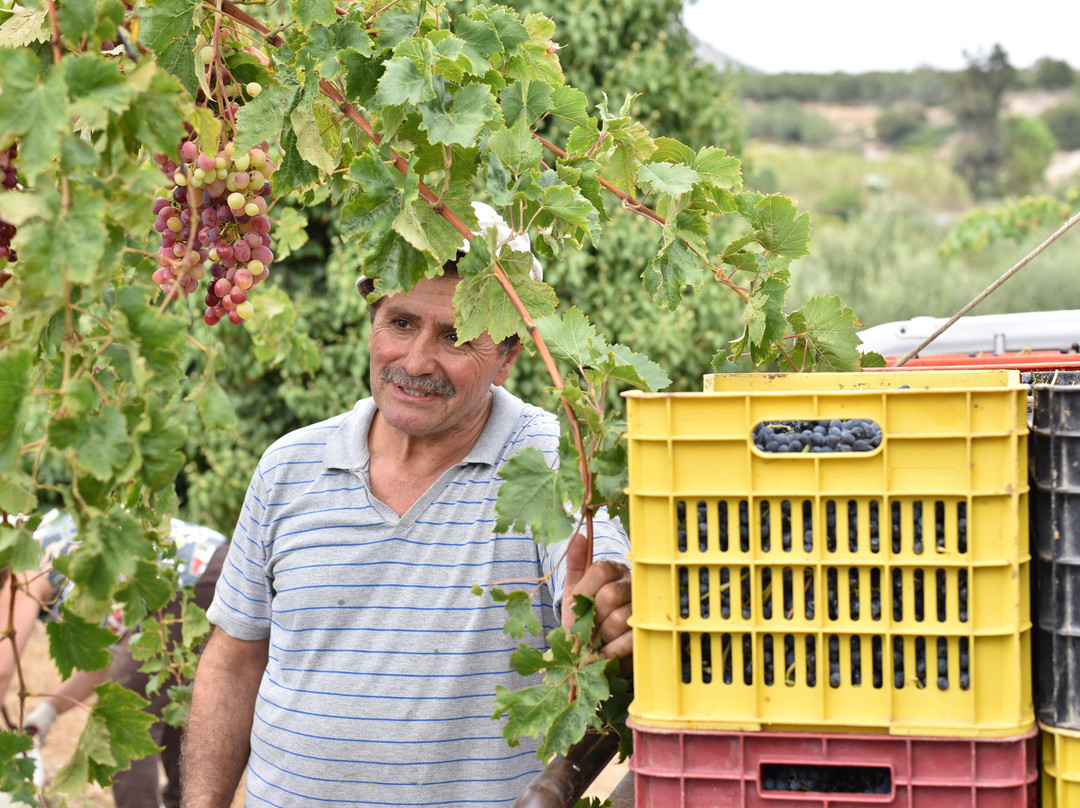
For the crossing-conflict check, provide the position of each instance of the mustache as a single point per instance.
(432, 385)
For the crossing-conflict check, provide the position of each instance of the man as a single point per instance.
(350, 663)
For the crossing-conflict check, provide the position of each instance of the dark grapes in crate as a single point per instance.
(835, 435)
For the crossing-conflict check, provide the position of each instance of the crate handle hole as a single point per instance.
(825, 779)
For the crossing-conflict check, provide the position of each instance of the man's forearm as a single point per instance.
(217, 740)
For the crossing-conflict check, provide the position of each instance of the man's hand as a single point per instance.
(608, 584)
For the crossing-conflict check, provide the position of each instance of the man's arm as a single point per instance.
(217, 740)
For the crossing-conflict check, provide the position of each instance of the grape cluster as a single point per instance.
(216, 213)
(835, 435)
(8, 180)
(826, 779)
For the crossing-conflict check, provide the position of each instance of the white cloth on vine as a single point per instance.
(487, 217)
(383, 664)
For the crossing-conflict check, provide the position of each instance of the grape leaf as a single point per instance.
(533, 494)
(461, 119)
(100, 440)
(116, 732)
(261, 118)
(169, 28)
(77, 643)
(403, 84)
(30, 106)
(570, 104)
(872, 359)
(481, 41)
(571, 337)
(516, 147)
(668, 178)
(676, 266)
(482, 304)
(779, 227)
(162, 450)
(538, 57)
(519, 610)
(15, 386)
(308, 130)
(311, 12)
(717, 169)
(73, 238)
(623, 365)
(826, 337)
(574, 682)
(22, 27)
(525, 100)
(77, 18)
(17, 768)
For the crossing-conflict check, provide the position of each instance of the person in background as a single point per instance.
(199, 555)
(350, 663)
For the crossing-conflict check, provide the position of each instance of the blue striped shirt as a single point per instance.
(383, 663)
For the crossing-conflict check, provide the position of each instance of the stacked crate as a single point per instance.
(1055, 520)
(854, 626)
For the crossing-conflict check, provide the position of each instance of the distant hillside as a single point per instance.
(707, 53)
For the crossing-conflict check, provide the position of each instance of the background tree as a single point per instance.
(976, 99)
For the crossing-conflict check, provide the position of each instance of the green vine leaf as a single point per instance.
(457, 117)
(31, 106)
(534, 494)
(308, 13)
(170, 29)
(667, 178)
(574, 682)
(116, 732)
(825, 335)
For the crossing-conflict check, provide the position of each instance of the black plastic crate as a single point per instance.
(1055, 530)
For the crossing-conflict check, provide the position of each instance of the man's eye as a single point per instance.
(453, 338)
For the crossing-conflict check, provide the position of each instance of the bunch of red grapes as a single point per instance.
(214, 221)
(8, 180)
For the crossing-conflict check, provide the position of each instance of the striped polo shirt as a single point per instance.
(383, 664)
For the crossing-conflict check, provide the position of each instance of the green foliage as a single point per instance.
(785, 121)
(575, 679)
(1053, 74)
(1029, 148)
(923, 87)
(126, 409)
(898, 125)
(1063, 119)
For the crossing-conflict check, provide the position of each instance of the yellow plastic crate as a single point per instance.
(1059, 768)
(881, 591)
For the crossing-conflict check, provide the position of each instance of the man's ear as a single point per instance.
(507, 365)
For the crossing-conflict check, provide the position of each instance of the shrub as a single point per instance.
(896, 125)
(785, 121)
(1029, 147)
(1063, 119)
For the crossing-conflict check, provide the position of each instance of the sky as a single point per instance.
(859, 36)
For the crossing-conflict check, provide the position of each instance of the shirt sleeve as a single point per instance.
(610, 543)
(242, 597)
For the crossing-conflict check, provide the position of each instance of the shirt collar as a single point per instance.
(348, 446)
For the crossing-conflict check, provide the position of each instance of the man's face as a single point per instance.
(424, 381)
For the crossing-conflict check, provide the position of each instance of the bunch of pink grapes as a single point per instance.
(214, 226)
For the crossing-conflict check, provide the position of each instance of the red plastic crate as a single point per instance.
(717, 769)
